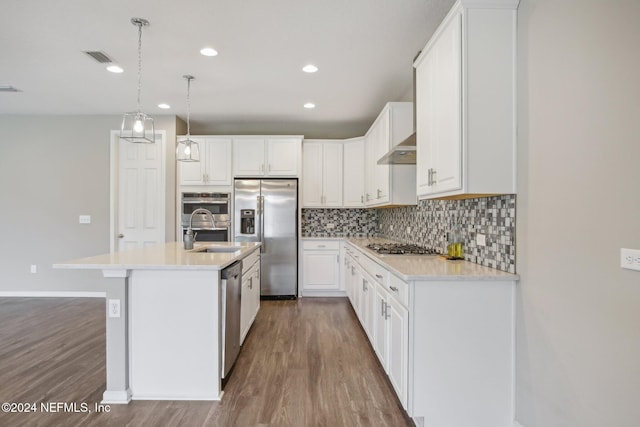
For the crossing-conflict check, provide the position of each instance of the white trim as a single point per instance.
(119, 273)
(193, 397)
(517, 424)
(490, 4)
(116, 397)
(53, 294)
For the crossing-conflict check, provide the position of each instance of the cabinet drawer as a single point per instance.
(249, 261)
(399, 289)
(321, 245)
(377, 272)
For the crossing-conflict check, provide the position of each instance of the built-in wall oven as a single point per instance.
(208, 230)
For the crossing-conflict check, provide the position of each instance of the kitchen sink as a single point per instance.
(217, 249)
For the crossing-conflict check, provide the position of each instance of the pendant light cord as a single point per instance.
(139, 63)
(188, 107)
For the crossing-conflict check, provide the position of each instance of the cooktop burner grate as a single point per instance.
(400, 249)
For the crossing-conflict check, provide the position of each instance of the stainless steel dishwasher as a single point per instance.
(231, 291)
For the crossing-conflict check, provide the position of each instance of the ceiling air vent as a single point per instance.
(101, 57)
(9, 88)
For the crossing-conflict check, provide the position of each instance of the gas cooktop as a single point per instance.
(400, 249)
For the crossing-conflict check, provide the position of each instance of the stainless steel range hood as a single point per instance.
(404, 153)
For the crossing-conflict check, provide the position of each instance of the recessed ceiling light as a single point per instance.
(208, 51)
(310, 68)
(115, 68)
(164, 106)
(309, 105)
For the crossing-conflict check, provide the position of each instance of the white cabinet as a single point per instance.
(214, 167)
(353, 176)
(322, 173)
(389, 184)
(447, 346)
(397, 318)
(380, 299)
(321, 268)
(250, 293)
(266, 156)
(465, 85)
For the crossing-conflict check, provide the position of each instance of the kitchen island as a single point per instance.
(163, 320)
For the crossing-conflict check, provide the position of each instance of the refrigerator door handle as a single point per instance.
(261, 208)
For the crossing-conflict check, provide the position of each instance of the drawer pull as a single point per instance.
(393, 288)
(322, 246)
(378, 276)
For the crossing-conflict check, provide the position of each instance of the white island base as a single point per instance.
(165, 343)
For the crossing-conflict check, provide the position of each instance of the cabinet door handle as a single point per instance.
(379, 191)
(368, 197)
(433, 176)
(382, 308)
(338, 259)
(120, 236)
(361, 199)
(386, 311)
(379, 276)
(393, 288)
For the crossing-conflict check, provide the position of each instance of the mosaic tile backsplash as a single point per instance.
(347, 222)
(429, 223)
(431, 220)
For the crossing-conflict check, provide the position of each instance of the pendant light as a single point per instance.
(188, 150)
(137, 126)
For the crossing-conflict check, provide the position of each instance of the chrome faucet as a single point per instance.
(199, 210)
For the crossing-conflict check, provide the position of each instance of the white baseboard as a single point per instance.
(53, 294)
(517, 424)
(117, 397)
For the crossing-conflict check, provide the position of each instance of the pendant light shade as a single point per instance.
(188, 150)
(137, 126)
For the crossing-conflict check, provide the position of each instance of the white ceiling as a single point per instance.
(364, 49)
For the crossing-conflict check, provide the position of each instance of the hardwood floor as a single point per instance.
(304, 363)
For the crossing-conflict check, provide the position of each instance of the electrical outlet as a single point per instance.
(84, 219)
(391, 227)
(481, 239)
(630, 259)
(408, 230)
(330, 226)
(34, 269)
(114, 308)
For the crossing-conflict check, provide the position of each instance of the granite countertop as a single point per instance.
(165, 256)
(427, 267)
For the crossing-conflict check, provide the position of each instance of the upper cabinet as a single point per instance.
(465, 86)
(387, 185)
(322, 173)
(353, 177)
(267, 156)
(214, 167)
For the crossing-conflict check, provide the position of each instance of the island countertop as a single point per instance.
(165, 256)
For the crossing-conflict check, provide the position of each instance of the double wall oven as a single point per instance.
(214, 228)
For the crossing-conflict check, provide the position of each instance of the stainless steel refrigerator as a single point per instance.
(266, 210)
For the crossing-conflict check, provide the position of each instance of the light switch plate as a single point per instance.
(481, 239)
(630, 259)
(85, 219)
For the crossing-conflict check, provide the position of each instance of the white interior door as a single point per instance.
(138, 193)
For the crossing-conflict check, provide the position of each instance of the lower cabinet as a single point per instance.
(321, 268)
(250, 296)
(447, 346)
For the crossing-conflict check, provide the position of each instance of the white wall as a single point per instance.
(578, 328)
(52, 169)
